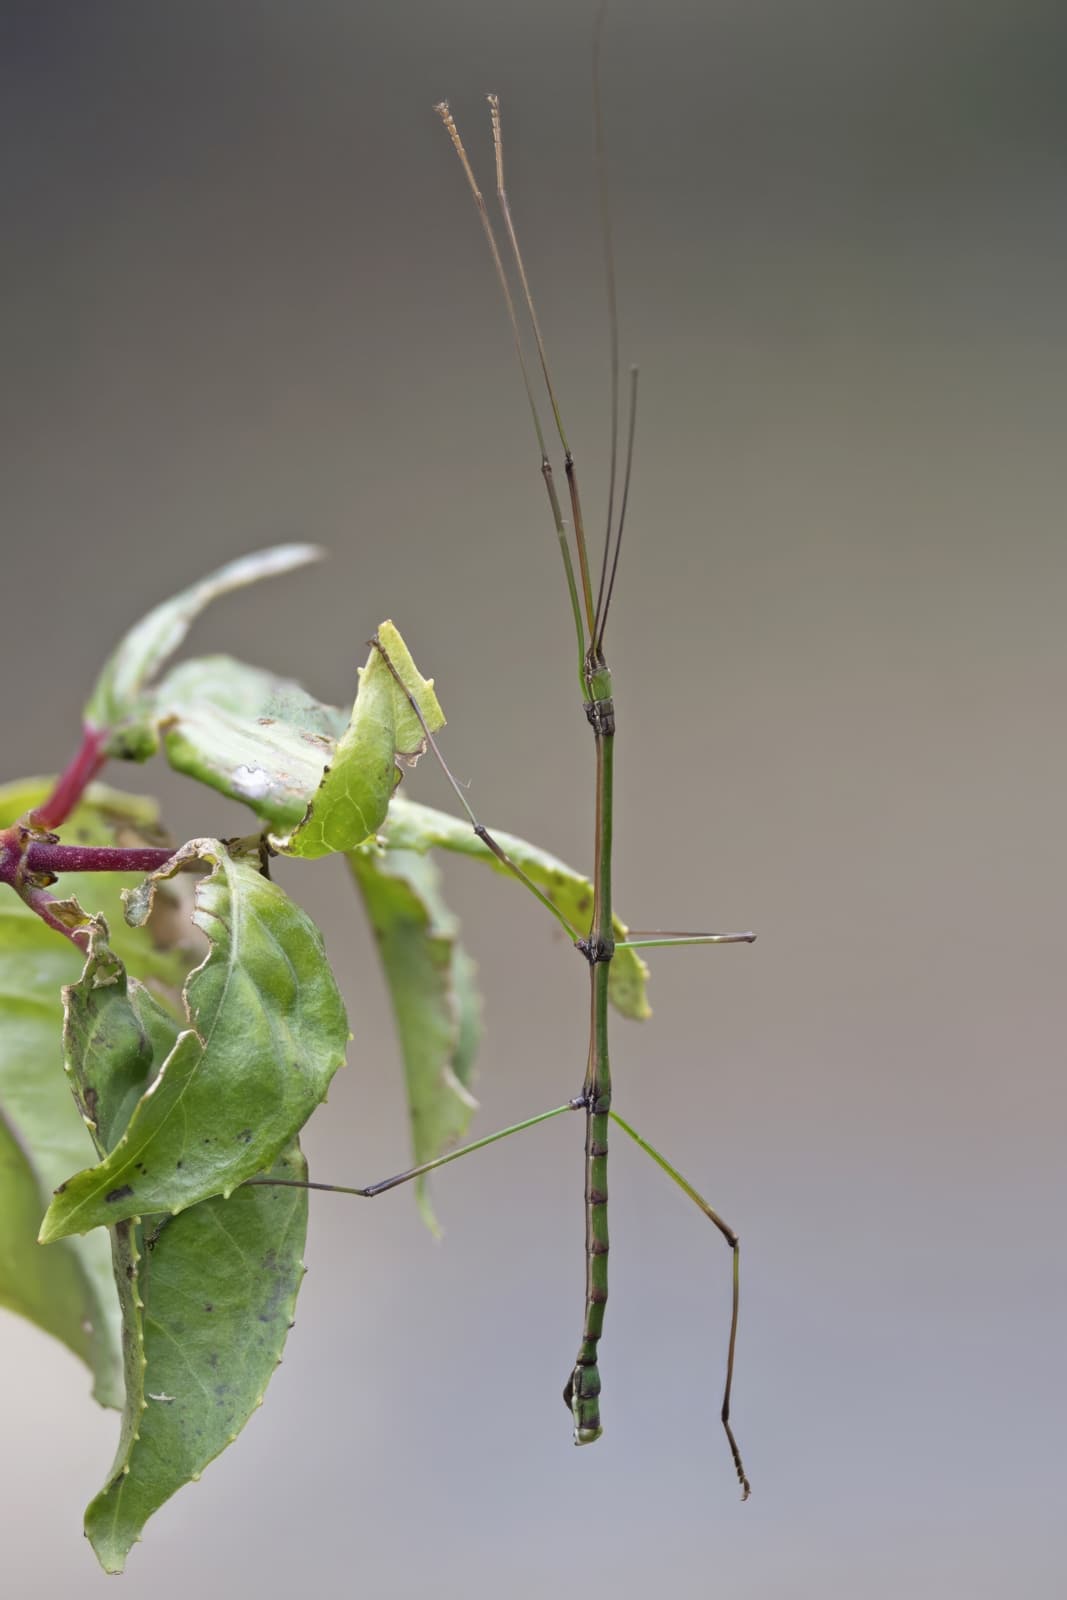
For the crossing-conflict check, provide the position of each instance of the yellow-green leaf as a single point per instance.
(351, 801)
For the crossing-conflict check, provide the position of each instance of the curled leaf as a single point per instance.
(351, 801)
(264, 1033)
(118, 701)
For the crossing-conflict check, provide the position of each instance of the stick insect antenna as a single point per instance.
(603, 607)
(445, 113)
(520, 266)
(608, 251)
(568, 458)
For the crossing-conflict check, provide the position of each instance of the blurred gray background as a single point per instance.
(246, 299)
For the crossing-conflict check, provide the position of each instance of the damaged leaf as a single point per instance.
(264, 1032)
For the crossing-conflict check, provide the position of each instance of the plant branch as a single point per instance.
(30, 861)
(44, 856)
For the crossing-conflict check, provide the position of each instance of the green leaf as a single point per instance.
(208, 1298)
(251, 735)
(435, 1003)
(321, 779)
(415, 827)
(50, 1287)
(67, 1290)
(118, 701)
(265, 1032)
(352, 798)
(115, 1035)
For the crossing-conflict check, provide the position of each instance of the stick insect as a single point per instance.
(186, 1102)
(597, 944)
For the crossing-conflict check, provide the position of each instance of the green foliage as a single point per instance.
(207, 1301)
(121, 702)
(431, 981)
(206, 1297)
(258, 738)
(352, 798)
(170, 1261)
(415, 827)
(69, 1290)
(66, 1296)
(265, 1032)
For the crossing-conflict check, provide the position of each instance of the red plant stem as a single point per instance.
(40, 856)
(29, 862)
(72, 783)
